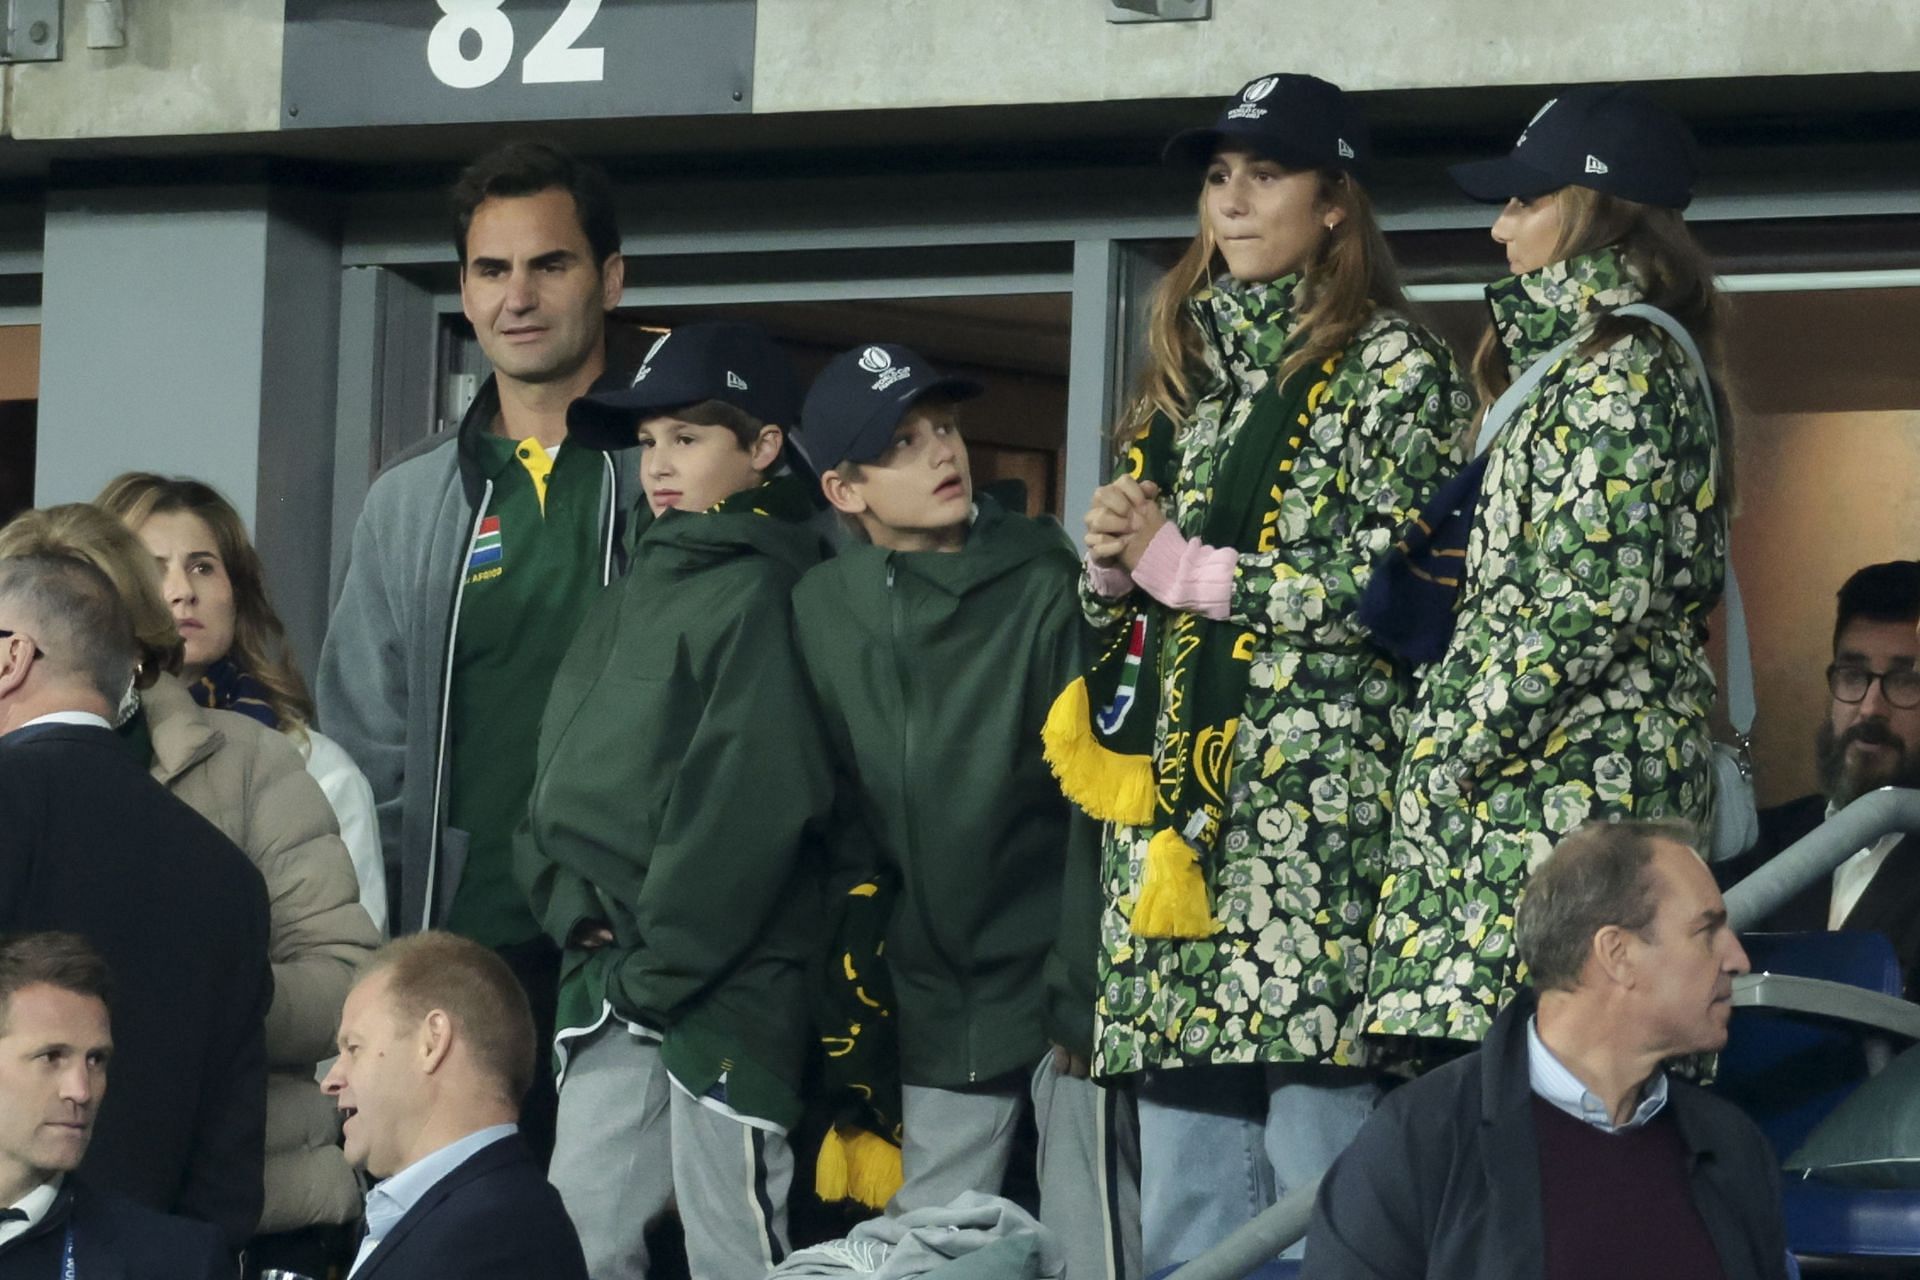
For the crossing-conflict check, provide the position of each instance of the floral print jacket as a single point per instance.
(1576, 684)
(1295, 879)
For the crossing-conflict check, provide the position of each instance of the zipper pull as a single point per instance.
(889, 575)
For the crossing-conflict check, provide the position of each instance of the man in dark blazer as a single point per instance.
(436, 1051)
(56, 1042)
(1869, 738)
(90, 844)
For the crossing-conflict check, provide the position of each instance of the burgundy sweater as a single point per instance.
(1618, 1204)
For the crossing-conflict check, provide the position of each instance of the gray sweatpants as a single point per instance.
(631, 1143)
(1088, 1168)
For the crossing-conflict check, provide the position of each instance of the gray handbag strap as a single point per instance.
(1740, 703)
(1503, 409)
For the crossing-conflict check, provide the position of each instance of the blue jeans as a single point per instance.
(1220, 1144)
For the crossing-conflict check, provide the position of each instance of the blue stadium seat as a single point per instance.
(1784, 1070)
(1789, 1071)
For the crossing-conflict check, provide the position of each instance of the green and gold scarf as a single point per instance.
(1100, 734)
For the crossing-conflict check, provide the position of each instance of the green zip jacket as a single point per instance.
(680, 769)
(934, 672)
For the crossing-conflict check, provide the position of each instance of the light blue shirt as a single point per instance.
(1552, 1081)
(393, 1199)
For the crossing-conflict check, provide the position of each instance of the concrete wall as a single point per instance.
(152, 315)
(820, 55)
(195, 332)
(213, 66)
(190, 67)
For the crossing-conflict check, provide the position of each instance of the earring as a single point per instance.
(130, 700)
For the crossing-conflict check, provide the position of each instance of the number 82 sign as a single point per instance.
(373, 62)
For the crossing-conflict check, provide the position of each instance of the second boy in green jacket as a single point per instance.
(935, 650)
(680, 769)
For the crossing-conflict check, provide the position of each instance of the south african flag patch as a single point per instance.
(487, 548)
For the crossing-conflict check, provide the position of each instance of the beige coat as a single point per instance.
(251, 783)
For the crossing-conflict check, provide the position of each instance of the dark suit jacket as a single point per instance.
(115, 1239)
(494, 1217)
(1890, 904)
(90, 843)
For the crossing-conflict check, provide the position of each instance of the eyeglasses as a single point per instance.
(1901, 687)
(7, 635)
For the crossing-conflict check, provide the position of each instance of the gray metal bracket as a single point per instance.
(1159, 10)
(33, 31)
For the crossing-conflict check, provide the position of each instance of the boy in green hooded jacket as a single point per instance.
(680, 769)
(935, 647)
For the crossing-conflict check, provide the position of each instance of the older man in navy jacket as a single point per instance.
(1560, 1147)
(436, 1050)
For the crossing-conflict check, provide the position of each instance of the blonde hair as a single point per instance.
(1352, 276)
(259, 641)
(78, 531)
(1672, 270)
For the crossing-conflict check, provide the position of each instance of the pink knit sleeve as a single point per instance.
(1111, 582)
(1187, 574)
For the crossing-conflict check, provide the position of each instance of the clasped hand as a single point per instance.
(1122, 521)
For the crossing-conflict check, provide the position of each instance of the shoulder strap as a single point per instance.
(1510, 400)
(1740, 704)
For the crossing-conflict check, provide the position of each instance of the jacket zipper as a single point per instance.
(611, 518)
(446, 707)
(907, 822)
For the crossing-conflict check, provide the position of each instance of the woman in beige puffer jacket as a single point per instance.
(251, 783)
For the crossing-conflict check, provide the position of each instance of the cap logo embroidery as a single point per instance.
(892, 376)
(875, 360)
(1346, 152)
(1252, 94)
(646, 361)
(1536, 120)
(1596, 165)
(735, 381)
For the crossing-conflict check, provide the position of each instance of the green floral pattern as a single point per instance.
(1576, 685)
(1296, 877)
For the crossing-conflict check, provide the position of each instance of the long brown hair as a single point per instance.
(1351, 277)
(259, 641)
(82, 532)
(1671, 269)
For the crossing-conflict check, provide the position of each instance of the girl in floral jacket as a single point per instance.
(1576, 684)
(1238, 731)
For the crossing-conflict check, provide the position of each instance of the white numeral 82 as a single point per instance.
(553, 60)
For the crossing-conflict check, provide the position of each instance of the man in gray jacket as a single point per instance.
(472, 563)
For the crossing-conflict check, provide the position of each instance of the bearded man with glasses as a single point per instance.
(1870, 738)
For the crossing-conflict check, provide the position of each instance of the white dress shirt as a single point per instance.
(35, 1205)
(1851, 878)
(69, 717)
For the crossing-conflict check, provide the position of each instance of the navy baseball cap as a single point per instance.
(1302, 122)
(1612, 138)
(737, 363)
(860, 397)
